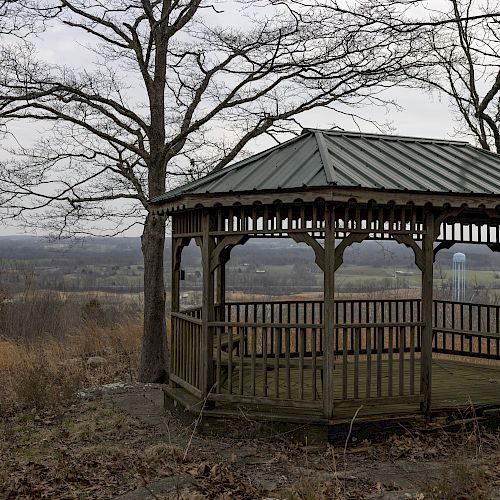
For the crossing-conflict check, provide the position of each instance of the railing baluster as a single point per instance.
(287, 363)
(277, 349)
(368, 333)
(357, 338)
(390, 360)
(301, 363)
(218, 369)
(380, 345)
(264, 361)
(253, 360)
(401, 360)
(344, 363)
(241, 350)
(412, 360)
(230, 360)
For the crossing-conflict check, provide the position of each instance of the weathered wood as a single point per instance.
(408, 241)
(185, 385)
(224, 246)
(319, 251)
(301, 362)
(287, 364)
(277, 402)
(368, 334)
(340, 195)
(344, 362)
(329, 313)
(208, 315)
(177, 245)
(264, 361)
(378, 401)
(220, 288)
(427, 301)
(357, 340)
(380, 347)
(390, 381)
(345, 243)
(402, 342)
(186, 317)
(412, 360)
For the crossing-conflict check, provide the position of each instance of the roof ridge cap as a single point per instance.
(323, 153)
(372, 135)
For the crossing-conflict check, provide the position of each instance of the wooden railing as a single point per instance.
(193, 312)
(463, 316)
(378, 361)
(272, 352)
(283, 362)
(266, 361)
(459, 328)
(185, 350)
(346, 311)
(468, 330)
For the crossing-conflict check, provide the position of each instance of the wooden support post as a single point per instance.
(220, 286)
(208, 304)
(427, 303)
(175, 275)
(177, 245)
(329, 312)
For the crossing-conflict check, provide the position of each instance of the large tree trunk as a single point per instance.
(154, 356)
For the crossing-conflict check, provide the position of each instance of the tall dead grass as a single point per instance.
(48, 372)
(36, 314)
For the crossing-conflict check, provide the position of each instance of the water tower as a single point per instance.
(459, 276)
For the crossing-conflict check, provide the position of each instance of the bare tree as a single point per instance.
(464, 65)
(176, 88)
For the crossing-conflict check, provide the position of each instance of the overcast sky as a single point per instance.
(422, 114)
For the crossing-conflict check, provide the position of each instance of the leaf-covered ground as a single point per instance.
(122, 443)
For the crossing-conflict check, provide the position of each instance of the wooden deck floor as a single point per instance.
(455, 384)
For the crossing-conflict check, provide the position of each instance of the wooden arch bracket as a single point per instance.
(408, 241)
(177, 245)
(444, 245)
(347, 242)
(494, 247)
(319, 251)
(220, 253)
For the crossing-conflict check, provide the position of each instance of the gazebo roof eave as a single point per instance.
(189, 201)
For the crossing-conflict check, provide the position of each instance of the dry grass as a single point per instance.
(461, 481)
(48, 372)
(310, 489)
(388, 294)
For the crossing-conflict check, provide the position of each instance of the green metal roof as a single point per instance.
(322, 158)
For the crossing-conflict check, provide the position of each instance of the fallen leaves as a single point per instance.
(94, 451)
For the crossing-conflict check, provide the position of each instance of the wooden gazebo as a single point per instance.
(319, 361)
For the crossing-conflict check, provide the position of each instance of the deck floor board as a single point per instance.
(455, 384)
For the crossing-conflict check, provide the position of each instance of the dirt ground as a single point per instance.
(117, 442)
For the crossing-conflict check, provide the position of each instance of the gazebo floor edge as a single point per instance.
(246, 421)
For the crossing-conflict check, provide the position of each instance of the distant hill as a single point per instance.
(115, 264)
(127, 251)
